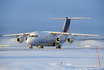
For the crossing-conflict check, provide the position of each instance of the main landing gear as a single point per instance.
(58, 47)
(41, 47)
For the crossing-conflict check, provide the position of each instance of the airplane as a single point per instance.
(50, 38)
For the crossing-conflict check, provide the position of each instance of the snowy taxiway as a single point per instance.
(51, 59)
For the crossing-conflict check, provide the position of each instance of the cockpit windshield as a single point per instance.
(36, 36)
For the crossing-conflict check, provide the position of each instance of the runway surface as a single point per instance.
(50, 58)
(45, 48)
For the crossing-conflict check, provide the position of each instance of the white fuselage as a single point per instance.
(41, 38)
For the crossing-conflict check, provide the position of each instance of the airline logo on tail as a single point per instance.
(66, 25)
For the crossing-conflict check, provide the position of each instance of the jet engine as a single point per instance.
(60, 39)
(20, 39)
(70, 39)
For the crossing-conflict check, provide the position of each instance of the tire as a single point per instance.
(41, 47)
(56, 47)
(59, 47)
(30, 47)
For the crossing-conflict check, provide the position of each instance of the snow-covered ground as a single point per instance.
(51, 59)
(71, 57)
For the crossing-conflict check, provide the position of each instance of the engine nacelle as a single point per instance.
(20, 39)
(60, 39)
(70, 39)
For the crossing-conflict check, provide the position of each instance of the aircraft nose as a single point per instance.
(28, 41)
(32, 41)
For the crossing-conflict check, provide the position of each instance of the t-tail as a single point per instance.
(67, 23)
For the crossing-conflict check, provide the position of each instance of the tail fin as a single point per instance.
(67, 23)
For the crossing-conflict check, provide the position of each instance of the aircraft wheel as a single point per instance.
(30, 47)
(41, 47)
(37, 46)
(58, 47)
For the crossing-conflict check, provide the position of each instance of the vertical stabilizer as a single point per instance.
(67, 22)
(66, 25)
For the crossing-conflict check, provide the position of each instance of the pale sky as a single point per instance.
(20, 16)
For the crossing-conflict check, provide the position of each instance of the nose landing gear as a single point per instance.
(30, 47)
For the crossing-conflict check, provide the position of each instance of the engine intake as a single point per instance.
(58, 40)
(20, 39)
(61, 39)
(70, 39)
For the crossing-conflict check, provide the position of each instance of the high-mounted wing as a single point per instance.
(74, 34)
(23, 34)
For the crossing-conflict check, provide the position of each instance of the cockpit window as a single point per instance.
(36, 36)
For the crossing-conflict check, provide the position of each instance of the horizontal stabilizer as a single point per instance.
(68, 18)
